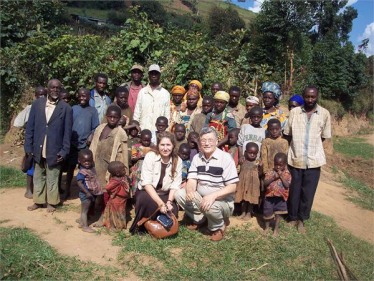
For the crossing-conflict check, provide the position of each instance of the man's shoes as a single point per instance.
(196, 226)
(217, 235)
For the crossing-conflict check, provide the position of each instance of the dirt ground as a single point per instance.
(61, 232)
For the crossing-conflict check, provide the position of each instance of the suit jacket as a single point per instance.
(57, 130)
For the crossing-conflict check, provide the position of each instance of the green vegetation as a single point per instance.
(10, 177)
(365, 194)
(25, 256)
(291, 256)
(354, 147)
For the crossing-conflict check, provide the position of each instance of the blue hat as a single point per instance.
(299, 99)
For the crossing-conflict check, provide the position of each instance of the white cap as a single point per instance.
(154, 67)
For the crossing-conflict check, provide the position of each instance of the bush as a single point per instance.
(335, 108)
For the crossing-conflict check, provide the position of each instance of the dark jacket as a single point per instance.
(58, 131)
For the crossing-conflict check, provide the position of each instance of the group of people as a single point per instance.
(179, 150)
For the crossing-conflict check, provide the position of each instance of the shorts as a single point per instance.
(83, 197)
(274, 206)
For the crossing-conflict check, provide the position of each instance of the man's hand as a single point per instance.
(59, 158)
(208, 201)
(190, 195)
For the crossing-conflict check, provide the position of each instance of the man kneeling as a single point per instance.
(211, 184)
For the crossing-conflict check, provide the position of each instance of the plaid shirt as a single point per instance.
(306, 149)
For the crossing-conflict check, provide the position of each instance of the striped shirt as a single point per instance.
(214, 173)
(306, 149)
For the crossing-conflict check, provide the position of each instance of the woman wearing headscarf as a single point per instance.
(250, 101)
(271, 93)
(177, 105)
(193, 104)
(295, 101)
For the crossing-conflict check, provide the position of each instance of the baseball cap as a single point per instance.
(154, 67)
(137, 66)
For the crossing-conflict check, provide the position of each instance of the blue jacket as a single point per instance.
(58, 131)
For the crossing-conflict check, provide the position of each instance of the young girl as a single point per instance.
(248, 189)
(89, 187)
(118, 191)
(109, 143)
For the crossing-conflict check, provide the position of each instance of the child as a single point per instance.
(198, 121)
(273, 144)
(250, 102)
(138, 152)
(65, 96)
(229, 144)
(193, 143)
(180, 135)
(276, 182)
(85, 121)
(109, 143)
(184, 152)
(89, 187)
(251, 132)
(161, 126)
(122, 97)
(118, 191)
(248, 189)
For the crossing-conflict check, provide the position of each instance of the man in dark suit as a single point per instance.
(47, 138)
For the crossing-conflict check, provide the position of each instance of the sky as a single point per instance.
(363, 25)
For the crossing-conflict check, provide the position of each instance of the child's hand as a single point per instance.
(241, 159)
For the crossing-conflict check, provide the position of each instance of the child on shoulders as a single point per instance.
(118, 191)
(89, 186)
(277, 183)
(248, 189)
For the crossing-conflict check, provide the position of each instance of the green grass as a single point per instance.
(354, 147)
(291, 256)
(365, 197)
(24, 256)
(10, 177)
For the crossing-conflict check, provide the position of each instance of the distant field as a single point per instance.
(175, 6)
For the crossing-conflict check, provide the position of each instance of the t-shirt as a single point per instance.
(85, 121)
(248, 133)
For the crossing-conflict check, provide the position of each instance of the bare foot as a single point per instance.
(247, 217)
(50, 208)
(28, 195)
(301, 228)
(275, 233)
(34, 207)
(88, 229)
(292, 223)
(98, 224)
(242, 216)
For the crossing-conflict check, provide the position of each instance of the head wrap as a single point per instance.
(196, 82)
(178, 90)
(273, 88)
(299, 99)
(252, 99)
(222, 95)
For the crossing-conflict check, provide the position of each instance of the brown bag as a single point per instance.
(27, 162)
(156, 229)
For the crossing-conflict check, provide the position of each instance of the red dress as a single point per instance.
(115, 210)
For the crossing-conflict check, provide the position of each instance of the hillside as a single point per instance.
(174, 6)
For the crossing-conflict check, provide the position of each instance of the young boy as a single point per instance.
(180, 135)
(89, 186)
(65, 96)
(193, 143)
(133, 134)
(85, 121)
(122, 97)
(251, 132)
(273, 144)
(198, 121)
(277, 183)
(184, 152)
(161, 126)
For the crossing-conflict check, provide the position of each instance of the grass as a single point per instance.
(24, 256)
(10, 177)
(291, 256)
(354, 147)
(365, 197)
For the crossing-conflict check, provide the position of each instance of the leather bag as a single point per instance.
(156, 229)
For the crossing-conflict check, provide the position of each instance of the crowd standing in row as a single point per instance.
(199, 153)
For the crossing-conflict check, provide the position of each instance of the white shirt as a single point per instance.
(150, 105)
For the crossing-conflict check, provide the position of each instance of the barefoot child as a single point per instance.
(273, 144)
(251, 132)
(118, 191)
(109, 143)
(277, 183)
(184, 152)
(89, 187)
(248, 189)
(138, 152)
